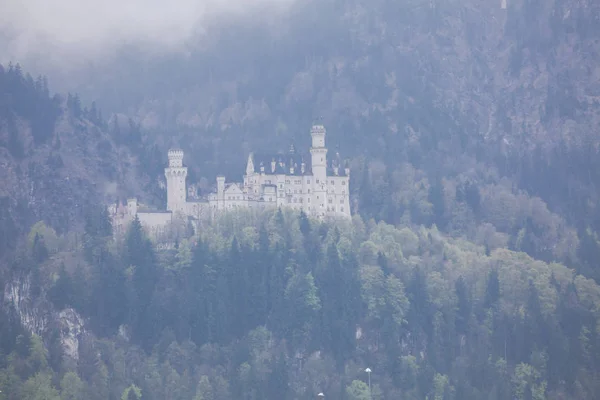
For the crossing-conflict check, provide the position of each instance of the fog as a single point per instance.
(66, 33)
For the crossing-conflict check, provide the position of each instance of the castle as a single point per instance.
(320, 188)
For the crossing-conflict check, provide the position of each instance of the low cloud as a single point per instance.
(70, 32)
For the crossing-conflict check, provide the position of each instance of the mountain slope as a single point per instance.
(275, 305)
(56, 157)
(426, 97)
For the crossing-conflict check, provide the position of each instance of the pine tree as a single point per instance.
(39, 251)
(492, 292)
(463, 311)
(140, 257)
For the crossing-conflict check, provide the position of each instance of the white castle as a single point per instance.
(319, 188)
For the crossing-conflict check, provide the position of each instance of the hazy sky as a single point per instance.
(55, 30)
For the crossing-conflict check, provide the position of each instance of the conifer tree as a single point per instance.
(140, 258)
(492, 292)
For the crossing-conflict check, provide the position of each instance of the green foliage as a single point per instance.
(358, 390)
(433, 316)
(285, 307)
(71, 387)
(204, 391)
(39, 251)
(132, 393)
(184, 255)
(42, 235)
(30, 99)
(39, 387)
(38, 355)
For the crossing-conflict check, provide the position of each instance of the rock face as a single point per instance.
(37, 315)
(71, 329)
(17, 294)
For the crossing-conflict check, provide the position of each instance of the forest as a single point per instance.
(276, 305)
(468, 271)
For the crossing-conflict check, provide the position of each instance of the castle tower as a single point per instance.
(318, 153)
(176, 174)
(220, 192)
(132, 207)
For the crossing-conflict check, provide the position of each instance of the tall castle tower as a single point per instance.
(176, 187)
(318, 153)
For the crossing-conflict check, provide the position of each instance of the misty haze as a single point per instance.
(300, 199)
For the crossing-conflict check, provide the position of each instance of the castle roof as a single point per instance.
(232, 188)
(283, 162)
(336, 162)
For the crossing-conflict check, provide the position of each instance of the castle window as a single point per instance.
(330, 201)
(308, 191)
(344, 183)
(317, 181)
(308, 181)
(342, 209)
(341, 201)
(333, 182)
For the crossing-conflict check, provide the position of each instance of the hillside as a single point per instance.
(278, 306)
(470, 269)
(428, 97)
(57, 157)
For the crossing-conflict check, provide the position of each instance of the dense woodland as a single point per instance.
(470, 269)
(438, 106)
(280, 306)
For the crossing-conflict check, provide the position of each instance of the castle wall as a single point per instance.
(328, 197)
(338, 199)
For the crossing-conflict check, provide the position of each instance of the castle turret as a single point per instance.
(176, 175)
(318, 153)
(250, 165)
(132, 207)
(220, 192)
